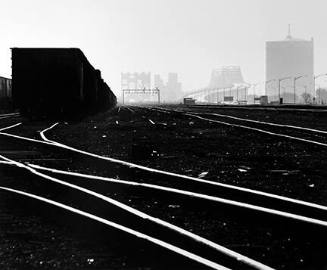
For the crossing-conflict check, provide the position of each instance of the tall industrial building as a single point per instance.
(285, 60)
(172, 90)
(226, 76)
(135, 80)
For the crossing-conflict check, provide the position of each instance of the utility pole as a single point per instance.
(224, 95)
(237, 93)
(158, 91)
(123, 97)
(246, 94)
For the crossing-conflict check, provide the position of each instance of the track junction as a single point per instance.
(165, 210)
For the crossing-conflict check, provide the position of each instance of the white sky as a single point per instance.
(190, 37)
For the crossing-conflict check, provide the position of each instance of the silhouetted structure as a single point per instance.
(135, 80)
(226, 76)
(5, 87)
(172, 90)
(321, 94)
(287, 60)
(5, 95)
(57, 82)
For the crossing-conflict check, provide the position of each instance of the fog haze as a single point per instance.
(161, 36)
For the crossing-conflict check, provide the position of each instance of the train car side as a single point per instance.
(54, 83)
(5, 95)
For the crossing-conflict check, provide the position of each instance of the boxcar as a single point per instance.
(57, 83)
(5, 95)
(5, 87)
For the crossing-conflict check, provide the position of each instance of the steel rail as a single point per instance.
(132, 165)
(263, 108)
(178, 176)
(260, 130)
(133, 211)
(10, 127)
(120, 227)
(190, 194)
(247, 127)
(9, 114)
(264, 122)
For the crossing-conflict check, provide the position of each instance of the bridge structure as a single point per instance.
(238, 93)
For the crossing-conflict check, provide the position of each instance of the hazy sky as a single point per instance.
(190, 37)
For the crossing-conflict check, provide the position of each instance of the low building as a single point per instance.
(189, 101)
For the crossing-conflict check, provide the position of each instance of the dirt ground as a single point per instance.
(212, 151)
(216, 152)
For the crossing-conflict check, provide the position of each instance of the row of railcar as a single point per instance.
(57, 83)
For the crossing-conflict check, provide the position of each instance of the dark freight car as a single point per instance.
(5, 87)
(57, 82)
(5, 95)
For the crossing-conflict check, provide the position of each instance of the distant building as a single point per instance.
(158, 82)
(189, 101)
(321, 94)
(172, 90)
(225, 77)
(135, 80)
(292, 58)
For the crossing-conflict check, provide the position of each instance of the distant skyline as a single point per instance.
(190, 38)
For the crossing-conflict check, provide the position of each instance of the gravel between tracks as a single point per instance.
(197, 148)
(193, 147)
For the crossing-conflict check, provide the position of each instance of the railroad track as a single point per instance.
(259, 122)
(183, 186)
(7, 119)
(54, 191)
(289, 132)
(90, 226)
(286, 108)
(205, 190)
(106, 211)
(129, 109)
(7, 115)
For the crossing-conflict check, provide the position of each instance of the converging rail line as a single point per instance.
(184, 186)
(204, 116)
(106, 222)
(6, 115)
(7, 118)
(265, 123)
(214, 191)
(285, 108)
(167, 235)
(293, 205)
(209, 188)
